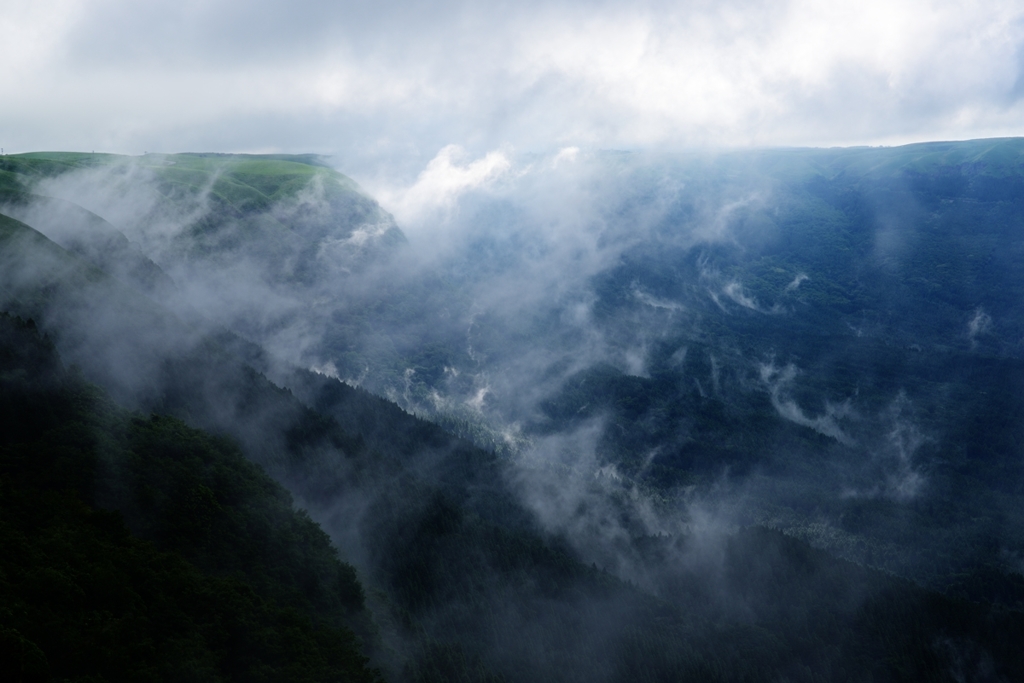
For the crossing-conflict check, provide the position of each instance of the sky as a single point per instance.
(389, 84)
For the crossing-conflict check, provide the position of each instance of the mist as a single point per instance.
(513, 261)
(662, 355)
(386, 89)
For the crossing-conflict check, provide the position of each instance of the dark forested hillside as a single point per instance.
(140, 549)
(692, 425)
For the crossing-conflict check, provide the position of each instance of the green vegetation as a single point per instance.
(221, 580)
(239, 181)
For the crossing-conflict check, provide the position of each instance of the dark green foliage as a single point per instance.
(198, 496)
(230, 584)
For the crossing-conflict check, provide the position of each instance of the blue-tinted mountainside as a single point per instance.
(854, 328)
(833, 335)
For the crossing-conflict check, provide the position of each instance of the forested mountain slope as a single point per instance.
(752, 340)
(219, 578)
(83, 598)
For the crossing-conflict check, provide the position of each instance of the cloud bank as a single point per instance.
(394, 82)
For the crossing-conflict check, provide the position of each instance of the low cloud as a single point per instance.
(979, 324)
(734, 291)
(893, 460)
(437, 189)
(779, 381)
(796, 282)
(648, 299)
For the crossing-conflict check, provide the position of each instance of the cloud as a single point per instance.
(396, 81)
(734, 291)
(897, 475)
(796, 282)
(779, 380)
(441, 183)
(562, 481)
(980, 324)
(648, 299)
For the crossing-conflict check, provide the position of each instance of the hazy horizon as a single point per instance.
(383, 90)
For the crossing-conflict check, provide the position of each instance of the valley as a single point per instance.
(751, 415)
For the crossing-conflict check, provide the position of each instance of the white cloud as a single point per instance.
(653, 301)
(796, 281)
(441, 183)
(779, 380)
(734, 291)
(981, 323)
(566, 155)
(401, 79)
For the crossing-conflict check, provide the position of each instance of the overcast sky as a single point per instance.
(394, 82)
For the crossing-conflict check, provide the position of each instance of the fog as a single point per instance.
(522, 273)
(657, 347)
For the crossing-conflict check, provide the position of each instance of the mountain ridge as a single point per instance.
(700, 366)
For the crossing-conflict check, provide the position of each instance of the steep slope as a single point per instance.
(90, 237)
(261, 244)
(452, 573)
(229, 583)
(81, 597)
